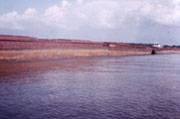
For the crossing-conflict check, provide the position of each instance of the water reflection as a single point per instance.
(117, 87)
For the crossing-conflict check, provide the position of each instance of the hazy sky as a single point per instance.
(139, 21)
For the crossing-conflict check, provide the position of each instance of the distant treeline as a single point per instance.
(173, 46)
(148, 45)
(151, 45)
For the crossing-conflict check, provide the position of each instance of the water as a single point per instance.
(135, 87)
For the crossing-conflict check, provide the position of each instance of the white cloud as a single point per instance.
(168, 15)
(30, 12)
(94, 14)
(9, 21)
(97, 13)
(13, 19)
(80, 1)
(53, 16)
(65, 3)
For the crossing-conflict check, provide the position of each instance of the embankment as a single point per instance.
(62, 54)
(28, 48)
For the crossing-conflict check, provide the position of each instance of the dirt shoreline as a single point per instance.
(53, 54)
(28, 48)
(62, 54)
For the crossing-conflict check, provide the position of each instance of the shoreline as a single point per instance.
(19, 48)
(53, 54)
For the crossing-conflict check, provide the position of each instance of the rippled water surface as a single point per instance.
(136, 87)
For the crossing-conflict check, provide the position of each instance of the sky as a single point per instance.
(131, 21)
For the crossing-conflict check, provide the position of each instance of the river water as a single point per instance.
(134, 87)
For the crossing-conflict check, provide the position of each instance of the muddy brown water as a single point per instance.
(133, 87)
